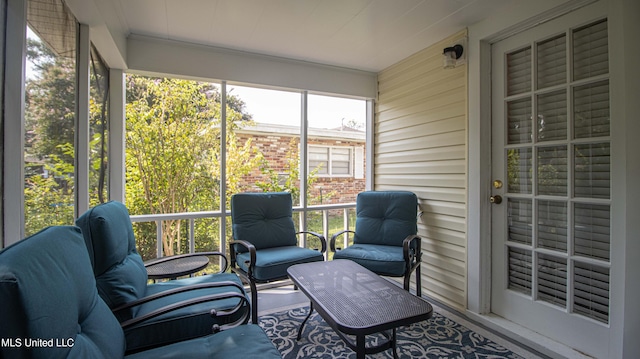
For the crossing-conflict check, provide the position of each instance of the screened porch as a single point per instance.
(520, 149)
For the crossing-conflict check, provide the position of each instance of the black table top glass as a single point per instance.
(356, 301)
(176, 267)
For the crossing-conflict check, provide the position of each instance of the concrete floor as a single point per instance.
(279, 298)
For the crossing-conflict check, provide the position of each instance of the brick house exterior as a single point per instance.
(277, 142)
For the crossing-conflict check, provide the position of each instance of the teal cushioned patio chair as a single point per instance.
(122, 283)
(51, 309)
(265, 241)
(386, 237)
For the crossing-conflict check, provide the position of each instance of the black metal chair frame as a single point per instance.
(243, 302)
(248, 277)
(412, 258)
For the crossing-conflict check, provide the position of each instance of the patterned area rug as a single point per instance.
(438, 337)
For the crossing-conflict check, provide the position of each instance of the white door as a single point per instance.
(551, 171)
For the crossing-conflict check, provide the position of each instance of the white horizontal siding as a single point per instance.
(443, 141)
(420, 142)
(438, 102)
(440, 166)
(436, 154)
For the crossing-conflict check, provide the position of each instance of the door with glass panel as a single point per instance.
(551, 180)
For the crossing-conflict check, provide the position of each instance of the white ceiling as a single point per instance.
(368, 35)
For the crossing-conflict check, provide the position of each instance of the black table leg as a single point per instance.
(394, 345)
(304, 321)
(360, 347)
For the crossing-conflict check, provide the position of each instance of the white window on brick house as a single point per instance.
(331, 161)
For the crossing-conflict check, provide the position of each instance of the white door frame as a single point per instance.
(625, 80)
(558, 321)
(510, 20)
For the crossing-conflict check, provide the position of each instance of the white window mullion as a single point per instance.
(570, 201)
(330, 162)
(534, 175)
(13, 174)
(571, 167)
(570, 252)
(117, 133)
(370, 141)
(82, 150)
(534, 170)
(223, 167)
(358, 163)
(535, 273)
(304, 170)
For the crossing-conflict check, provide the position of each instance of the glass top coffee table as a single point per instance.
(355, 301)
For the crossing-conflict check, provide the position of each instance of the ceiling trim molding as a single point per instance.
(160, 57)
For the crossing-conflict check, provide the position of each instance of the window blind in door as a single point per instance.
(559, 170)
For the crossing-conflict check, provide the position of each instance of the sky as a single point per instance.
(281, 107)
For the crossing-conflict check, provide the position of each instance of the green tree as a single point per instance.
(50, 134)
(173, 150)
(50, 103)
(49, 197)
(172, 155)
(49, 137)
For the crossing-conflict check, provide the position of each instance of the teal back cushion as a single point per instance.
(263, 219)
(47, 291)
(385, 217)
(118, 268)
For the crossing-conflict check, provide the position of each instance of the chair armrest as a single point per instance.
(323, 240)
(332, 242)
(170, 292)
(406, 248)
(223, 268)
(203, 299)
(252, 254)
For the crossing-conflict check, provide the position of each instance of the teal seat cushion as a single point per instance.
(242, 342)
(263, 219)
(380, 259)
(272, 263)
(184, 323)
(121, 278)
(47, 291)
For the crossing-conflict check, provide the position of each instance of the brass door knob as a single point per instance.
(497, 199)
